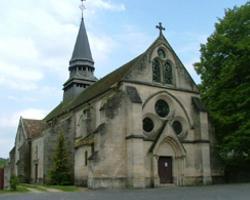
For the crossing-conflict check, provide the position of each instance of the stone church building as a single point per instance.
(142, 125)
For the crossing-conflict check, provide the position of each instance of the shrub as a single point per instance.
(14, 183)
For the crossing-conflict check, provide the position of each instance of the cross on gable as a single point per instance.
(160, 27)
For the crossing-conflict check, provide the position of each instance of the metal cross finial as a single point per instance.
(160, 27)
(82, 7)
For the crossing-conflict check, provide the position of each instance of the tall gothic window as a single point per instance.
(156, 71)
(162, 68)
(86, 158)
(167, 73)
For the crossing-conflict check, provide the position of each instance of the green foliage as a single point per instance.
(60, 172)
(2, 162)
(225, 88)
(14, 183)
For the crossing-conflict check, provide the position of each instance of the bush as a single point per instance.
(60, 173)
(14, 183)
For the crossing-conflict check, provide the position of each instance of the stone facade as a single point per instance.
(142, 125)
(124, 154)
(37, 156)
(22, 155)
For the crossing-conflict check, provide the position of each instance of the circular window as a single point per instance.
(161, 53)
(161, 108)
(148, 124)
(177, 127)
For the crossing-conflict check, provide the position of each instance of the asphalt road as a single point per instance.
(215, 192)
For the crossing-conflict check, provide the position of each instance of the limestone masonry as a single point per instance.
(143, 125)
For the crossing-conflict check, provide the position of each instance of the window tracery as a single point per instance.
(162, 71)
(167, 73)
(156, 71)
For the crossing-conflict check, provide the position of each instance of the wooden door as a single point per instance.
(165, 169)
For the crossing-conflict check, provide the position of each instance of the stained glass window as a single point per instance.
(167, 73)
(161, 53)
(156, 71)
(148, 124)
(161, 108)
(86, 158)
(177, 127)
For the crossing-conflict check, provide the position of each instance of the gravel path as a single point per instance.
(215, 192)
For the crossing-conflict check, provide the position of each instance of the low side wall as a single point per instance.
(1, 179)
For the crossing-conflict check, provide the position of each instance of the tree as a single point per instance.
(2, 162)
(224, 68)
(14, 182)
(60, 172)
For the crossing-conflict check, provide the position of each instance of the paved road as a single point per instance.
(218, 192)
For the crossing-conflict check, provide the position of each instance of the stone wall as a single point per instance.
(107, 168)
(66, 126)
(23, 164)
(7, 174)
(37, 156)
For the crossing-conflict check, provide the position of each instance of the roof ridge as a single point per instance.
(101, 86)
(32, 119)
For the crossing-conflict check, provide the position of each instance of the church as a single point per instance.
(143, 125)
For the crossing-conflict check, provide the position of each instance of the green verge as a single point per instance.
(44, 188)
(20, 188)
(64, 188)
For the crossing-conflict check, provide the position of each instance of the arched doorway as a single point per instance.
(165, 169)
(168, 161)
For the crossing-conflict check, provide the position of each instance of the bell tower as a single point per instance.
(81, 65)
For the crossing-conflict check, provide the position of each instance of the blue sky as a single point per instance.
(37, 39)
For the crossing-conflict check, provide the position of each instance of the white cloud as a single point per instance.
(6, 144)
(43, 43)
(11, 120)
(33, 113)
(17, 48)
(21, 99)
(19, 77)
(23, 73)
(17, 84)
(105, 5)
(103, 46)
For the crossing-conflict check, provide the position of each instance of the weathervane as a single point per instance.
(82, 7)
(160, 27)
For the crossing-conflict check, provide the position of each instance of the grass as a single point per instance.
(42, 188)
(34, 186)
(20, 188)
(64, 188)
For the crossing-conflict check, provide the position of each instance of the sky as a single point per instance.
(37, 40)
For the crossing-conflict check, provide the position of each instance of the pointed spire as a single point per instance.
(82, 53)
(81, 69)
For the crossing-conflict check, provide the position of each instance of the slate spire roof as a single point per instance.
(107, 82)
(82, 54)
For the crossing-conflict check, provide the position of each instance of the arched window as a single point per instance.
(156, 71)
(86, 158)
(161, 53)
(167, 73)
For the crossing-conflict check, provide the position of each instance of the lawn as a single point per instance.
(42, 188)
(20, 188)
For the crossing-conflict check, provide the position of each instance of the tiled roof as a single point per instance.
(94, 90)
(107, 82)
(33, 127)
